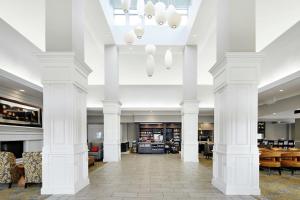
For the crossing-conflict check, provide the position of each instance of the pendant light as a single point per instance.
(125, 4)
(129, 37)
(149, 9)
(171, 9)
(150, 49)
(150, 65)
(168, 59)
(139, 31)
(174, 20)
(160, 13)
(140, 7)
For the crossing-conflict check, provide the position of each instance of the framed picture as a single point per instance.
(19, 114)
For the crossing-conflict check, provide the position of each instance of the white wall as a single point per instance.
(27, 17)
(17, 54)
(276, 131)
(132, 70)
(93, 132)
(206, 59)
(274, 17)
(33, 145)
(151, 96)
(282, 57)
(94, 58)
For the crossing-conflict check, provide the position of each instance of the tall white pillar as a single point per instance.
(65, 79)
(236, 158)
(111, 106)
(190, 106)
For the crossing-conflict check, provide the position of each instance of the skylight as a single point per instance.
(132, 18)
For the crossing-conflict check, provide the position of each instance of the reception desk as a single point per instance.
(151, 148)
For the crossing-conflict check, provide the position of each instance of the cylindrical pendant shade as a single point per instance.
(150, 65)
(174, 20)
(150, 49)
(149, 10)
(129, 37)
(168, 59)
(139, 32)
(125, 4)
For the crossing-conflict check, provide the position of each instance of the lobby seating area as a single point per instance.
(280, 159)
(149, 99)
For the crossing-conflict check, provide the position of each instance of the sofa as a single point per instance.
(96, 150)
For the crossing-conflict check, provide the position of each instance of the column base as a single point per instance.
(190, 153)
(65, 190)
(236, 173)
(65, 171)
(112, 152)
(235, 189)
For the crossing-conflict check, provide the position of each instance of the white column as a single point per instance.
(236, 158)
(190, 106)
(65, 153)
(111, 106)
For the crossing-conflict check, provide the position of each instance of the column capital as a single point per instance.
(189, 107)
(64, 67)
(236, 68)
(111, 107)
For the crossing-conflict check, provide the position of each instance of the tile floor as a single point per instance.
(159, 177)
(150, 177)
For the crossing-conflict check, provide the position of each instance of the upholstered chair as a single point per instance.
(33, 167)
(270, 160)
(291, 161)
(8, 168)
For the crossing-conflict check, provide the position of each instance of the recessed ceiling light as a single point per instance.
(281, 90)
(21, 90)
(274, 113)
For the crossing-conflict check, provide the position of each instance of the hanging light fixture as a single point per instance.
(150, 65)
(125, 4)
(171, 9)
(160, 13)
(150, 49)
(149, 9)
(129, 37)
(174, 20)
(168, 59)
(140, 7)
(139, 31)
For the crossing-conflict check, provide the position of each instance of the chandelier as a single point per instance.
(162, 15)
(158, 12)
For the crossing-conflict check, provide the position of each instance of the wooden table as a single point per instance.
(21, 171)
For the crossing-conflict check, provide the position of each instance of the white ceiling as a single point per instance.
(14, 84)
(30, 23)
(281, 89)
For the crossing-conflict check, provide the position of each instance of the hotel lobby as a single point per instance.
(149, 99)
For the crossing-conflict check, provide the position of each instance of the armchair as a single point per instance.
(96, 150)
(8, 168)
(32, 167)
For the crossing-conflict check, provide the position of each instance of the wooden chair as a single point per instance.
(270, 160)
(291, 161)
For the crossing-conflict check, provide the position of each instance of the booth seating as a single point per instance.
(291, 161)
(270, 160)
